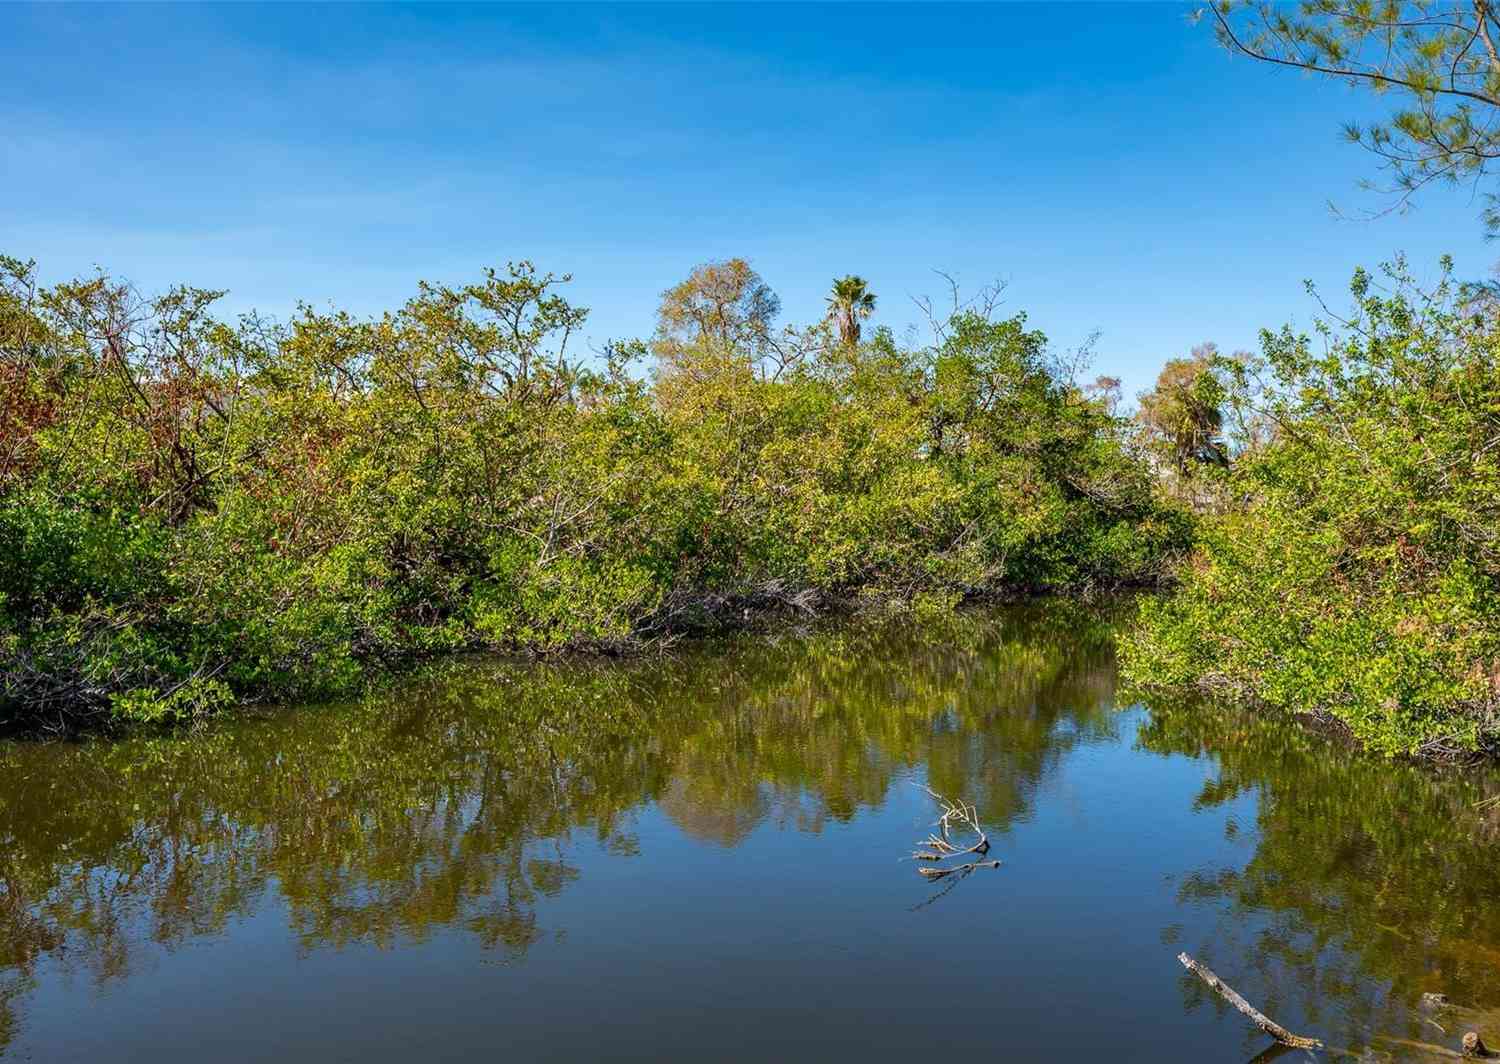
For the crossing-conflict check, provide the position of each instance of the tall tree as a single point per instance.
(723, 305)
(1183, 414)
(1439, 57)
(850, 302)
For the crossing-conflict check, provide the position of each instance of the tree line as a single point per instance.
(196, 511)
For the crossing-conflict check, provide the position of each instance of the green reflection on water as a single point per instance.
(1392, 864)
(427, 807)
(419, 809)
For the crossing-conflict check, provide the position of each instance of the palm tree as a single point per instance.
(851, 302)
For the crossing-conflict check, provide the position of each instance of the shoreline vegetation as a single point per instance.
(197, 512)
(1350, 567)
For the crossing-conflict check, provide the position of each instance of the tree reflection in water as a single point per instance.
(451, 801)
(434, 805)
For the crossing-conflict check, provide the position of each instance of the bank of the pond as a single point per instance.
(1437, 754)
(690, 627)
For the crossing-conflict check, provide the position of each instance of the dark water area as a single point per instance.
(699, 856)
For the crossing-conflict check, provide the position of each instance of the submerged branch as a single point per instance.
(964, 869)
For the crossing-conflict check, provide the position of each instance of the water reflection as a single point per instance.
(458, 803)
(426, 807)
(1369, 883)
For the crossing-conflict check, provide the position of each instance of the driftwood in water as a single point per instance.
(1260, 1019)
(1473, 1047)
(955, 814)
(940, 872)
(957, 817)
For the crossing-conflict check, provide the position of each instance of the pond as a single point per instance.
(704, 854)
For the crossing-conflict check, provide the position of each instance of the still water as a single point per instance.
(700, 856)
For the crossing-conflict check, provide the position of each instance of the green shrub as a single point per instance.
(193, 512)
(1360, 578)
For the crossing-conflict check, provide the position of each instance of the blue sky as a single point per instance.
(1110, 162)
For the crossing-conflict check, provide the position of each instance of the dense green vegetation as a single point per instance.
(1347, 564)
(195, 511)
(1352, 565)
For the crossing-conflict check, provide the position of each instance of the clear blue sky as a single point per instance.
(1118, 168)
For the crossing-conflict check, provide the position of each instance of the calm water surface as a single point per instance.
(699, 857)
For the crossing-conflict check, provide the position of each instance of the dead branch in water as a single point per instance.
(957, 818)
(939, 873)
(1472, 1046)
(940, 846)
(1260, 1019)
